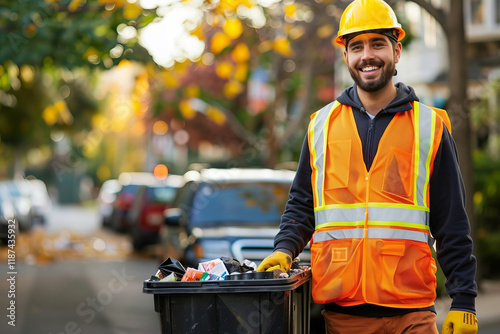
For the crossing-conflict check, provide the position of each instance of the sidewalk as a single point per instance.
(487, 305)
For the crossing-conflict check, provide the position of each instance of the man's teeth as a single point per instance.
(369, 68)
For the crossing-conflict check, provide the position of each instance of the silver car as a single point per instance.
(7, 214)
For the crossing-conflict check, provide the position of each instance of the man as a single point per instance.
(378, 181)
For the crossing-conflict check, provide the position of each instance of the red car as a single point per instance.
(147, 212)
(130, 184)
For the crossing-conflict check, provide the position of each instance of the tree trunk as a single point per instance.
(270, 148)
(452, 23)
(458, 105)
(18, 172)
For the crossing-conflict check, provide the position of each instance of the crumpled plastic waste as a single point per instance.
(223, 268)
(170, 266)
(169, 278)
(233, 265)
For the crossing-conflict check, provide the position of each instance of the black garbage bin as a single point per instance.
(247, 306)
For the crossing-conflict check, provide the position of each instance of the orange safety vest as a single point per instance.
(372, 242)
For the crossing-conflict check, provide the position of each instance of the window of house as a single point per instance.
(477, 11)
(497, 11)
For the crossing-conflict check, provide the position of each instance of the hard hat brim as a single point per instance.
(340, 40)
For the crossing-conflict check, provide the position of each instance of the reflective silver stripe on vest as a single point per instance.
(426, 124)
(388, 214)
(320, 145)
(373, 233)
(424, 136)
(338, 215)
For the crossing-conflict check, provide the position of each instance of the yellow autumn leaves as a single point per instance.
(188, 111)
(234, 68)
(233, 28)
(220, 41)
(282, 46)
(131, 10)
(57, 112)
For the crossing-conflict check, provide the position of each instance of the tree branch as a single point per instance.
(438, 14)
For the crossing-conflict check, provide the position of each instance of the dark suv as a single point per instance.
(226, 212)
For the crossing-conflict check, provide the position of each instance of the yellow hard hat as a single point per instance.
(365, 15)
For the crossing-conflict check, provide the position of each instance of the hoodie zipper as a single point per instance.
(370, 138)
(369, 141)
(369, 153)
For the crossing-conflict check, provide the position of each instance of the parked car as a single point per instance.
(106, 199)
(226, 212)
(22, 203)
(130, 183)
(147, 212)
(7, 213)
(41, 204)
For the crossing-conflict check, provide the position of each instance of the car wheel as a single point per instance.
(137, 241)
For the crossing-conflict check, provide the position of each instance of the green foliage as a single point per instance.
(58, 44)
(80, 101)
(409, 37)
(33, 30)
(486, 199)
(20, 119)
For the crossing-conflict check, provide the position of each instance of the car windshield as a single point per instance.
(13, 189)
(129, 189)
(239, 204)
(161, 194)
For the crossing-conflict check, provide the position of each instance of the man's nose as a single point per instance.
(367, 53)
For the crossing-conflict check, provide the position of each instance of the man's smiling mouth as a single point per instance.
(369, 68)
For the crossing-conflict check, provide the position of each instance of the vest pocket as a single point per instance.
(336, 269)
(337, 168)
(401, 272)
(397, 174)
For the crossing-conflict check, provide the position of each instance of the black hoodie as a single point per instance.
(448, 220)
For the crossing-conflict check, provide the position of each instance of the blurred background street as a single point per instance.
(72, 275)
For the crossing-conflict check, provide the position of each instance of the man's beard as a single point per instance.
(373, 85)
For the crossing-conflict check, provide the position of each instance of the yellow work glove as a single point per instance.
(277, 260)
(460, 322)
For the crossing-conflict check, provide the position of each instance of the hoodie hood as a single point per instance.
(404, 96)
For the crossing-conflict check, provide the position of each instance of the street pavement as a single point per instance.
(92, 297)
(72, 277)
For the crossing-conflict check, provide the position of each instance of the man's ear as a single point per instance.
(397, 51)
(344, 56)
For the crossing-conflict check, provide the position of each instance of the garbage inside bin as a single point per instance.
(233, 265)
(245, 301)
(171, 266)
(215, 267)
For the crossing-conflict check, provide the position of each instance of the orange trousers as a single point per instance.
(411, 323)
